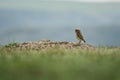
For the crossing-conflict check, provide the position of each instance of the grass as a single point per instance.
(60, 64)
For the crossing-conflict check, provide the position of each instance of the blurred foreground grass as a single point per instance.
(60, 64)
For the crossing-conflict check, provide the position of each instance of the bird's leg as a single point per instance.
(79, 42)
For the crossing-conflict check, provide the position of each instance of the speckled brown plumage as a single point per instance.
(79, 35)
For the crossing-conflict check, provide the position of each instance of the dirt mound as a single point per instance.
(45, 44)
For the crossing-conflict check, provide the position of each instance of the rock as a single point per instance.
(45, 44)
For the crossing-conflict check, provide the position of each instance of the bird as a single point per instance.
(79, 36)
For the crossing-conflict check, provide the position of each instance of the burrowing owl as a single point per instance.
(79, 35)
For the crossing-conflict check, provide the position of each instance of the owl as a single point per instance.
(79, 35)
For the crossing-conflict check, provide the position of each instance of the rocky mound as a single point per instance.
(45, 44)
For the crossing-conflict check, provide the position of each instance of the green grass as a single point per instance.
(60, 64)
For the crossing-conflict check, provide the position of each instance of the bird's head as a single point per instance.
(77, 29)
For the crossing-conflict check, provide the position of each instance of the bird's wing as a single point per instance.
(81, 36)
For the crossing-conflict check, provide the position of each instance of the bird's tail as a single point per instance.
(84, 40)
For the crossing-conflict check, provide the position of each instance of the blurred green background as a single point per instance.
(60, 64)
